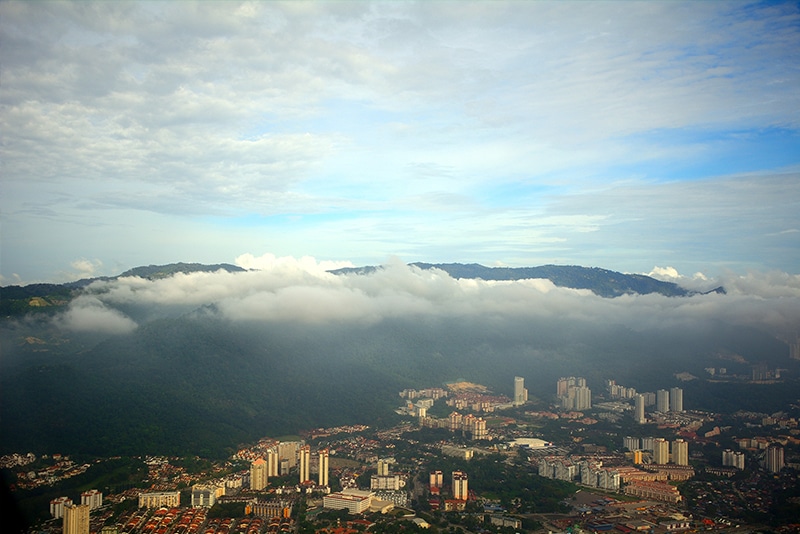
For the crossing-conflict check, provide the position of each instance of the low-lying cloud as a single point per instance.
(302, 291)
(90, 314)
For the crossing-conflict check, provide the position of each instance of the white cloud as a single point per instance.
(297, 290)
(90, 314)
(86, 268)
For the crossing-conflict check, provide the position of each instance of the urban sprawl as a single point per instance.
(663, 469)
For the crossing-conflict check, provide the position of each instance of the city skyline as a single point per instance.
(639, 137)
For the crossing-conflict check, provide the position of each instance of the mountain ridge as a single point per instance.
(16, 300)
(602, 282)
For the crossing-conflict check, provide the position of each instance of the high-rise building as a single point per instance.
(660, 451)
(638, 409)
(520, 393)
(662, 400)
(76, 519)
(479, 428)
(774, 459)
(563, 384)
(436, 479)
(733, 459)
(305, 463)
(680, 452)
(577, 398)
(288, 450)
(648, 444)
(455, 421)
(94, 498)
(57, 506)
(676, 399)
(273, 462)
(383, 467)
(258, 474)
(460, 486)
(631, 443)
(323, 467)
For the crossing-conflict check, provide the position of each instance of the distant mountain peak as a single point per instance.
(603, 282)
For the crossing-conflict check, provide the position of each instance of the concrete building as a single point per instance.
(577, 398)
(676, 400)
(638, 409)
(773, 459)
(660, 451)
(656, 491)
(258, 474)
(520, 393)
(271, 509)
(436, 479)
(353, 500)
(273, 462)
(733, 459)
(206, 495)
(305, 463)
(93, 498)
(287, 450)
(680, 452)
(57, 506)
(631, 443)
(662, 401)
(386, 482)
(323, 467)
(383, 467)
(157, 499)
(76, 519)
(460, 486)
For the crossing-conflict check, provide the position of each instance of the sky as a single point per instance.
(649, 137)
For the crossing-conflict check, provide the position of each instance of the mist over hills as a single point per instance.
(201, 361)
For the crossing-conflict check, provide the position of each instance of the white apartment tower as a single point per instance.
(273, 461)
(676, 399)
(460, 486)
(662, 400)
(680, 452)
(323, 467)
(774, 459)
(638, 412)
(258, 474)
(305, 463)
(57, 506)
(94, 498)
(520, 393)
(733, 459)
(383, 467)
(631, 443)
(660, 451)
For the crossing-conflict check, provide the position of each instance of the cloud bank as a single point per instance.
(301, 291)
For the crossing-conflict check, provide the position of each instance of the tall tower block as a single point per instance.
(305, 463)
(638, 409)
(520, 393)
(323, 467)
(676, 400)
(258, 474)
(76, 519)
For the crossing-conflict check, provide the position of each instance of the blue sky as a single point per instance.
(621, 135)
